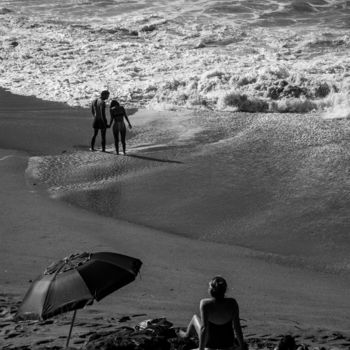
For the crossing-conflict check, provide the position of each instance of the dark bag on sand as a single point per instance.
(153, 334)
(286, 343)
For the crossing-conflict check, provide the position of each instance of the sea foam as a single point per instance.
(149, 57)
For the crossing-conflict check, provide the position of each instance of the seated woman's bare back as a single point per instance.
(219, 311)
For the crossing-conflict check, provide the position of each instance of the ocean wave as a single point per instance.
(158, 61)
(227, 8)
(310, 12)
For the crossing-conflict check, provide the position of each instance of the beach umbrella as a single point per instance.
(75, 281)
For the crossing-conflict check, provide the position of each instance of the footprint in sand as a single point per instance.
(44, 341)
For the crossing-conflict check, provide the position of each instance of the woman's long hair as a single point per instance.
(114, 103)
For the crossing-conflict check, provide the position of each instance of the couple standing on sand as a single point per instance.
(117, 113)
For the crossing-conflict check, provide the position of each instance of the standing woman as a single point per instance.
(117, 117)
(218, 326)
(98, 110)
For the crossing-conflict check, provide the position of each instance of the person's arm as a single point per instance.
(237, 325)
(204, 327)
(111, 115)
(103, 110)
(127, 119)
(93, 112)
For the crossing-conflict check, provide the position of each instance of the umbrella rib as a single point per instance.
(53, 278)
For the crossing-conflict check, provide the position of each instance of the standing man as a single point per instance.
(100, 121)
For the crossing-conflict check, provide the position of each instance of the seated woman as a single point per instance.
(219, 320)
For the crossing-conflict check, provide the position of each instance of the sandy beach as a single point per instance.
(275, 299)
(237, 163)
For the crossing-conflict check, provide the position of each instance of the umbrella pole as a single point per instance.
(71, 327)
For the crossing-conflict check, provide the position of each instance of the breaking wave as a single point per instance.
(280, 56)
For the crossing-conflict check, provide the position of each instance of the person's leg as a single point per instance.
(123, 135)
(93, 140)
(116, 139)
(193, 327)
(103, 139)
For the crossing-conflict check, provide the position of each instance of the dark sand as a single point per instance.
(39, 127)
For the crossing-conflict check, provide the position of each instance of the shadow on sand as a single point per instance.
(86, 148)
(154, 159)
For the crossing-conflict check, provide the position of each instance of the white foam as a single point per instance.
(167, 61)
(6, 157)
(34, 168)
(339, 108)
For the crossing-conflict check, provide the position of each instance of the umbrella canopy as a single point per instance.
(76, 281)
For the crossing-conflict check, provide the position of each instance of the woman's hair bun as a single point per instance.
(217, 287)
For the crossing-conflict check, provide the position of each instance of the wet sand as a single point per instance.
(38, 127)
(37, 230)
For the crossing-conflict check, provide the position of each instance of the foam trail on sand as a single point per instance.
(6, 157)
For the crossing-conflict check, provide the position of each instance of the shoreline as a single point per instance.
(274, 299)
